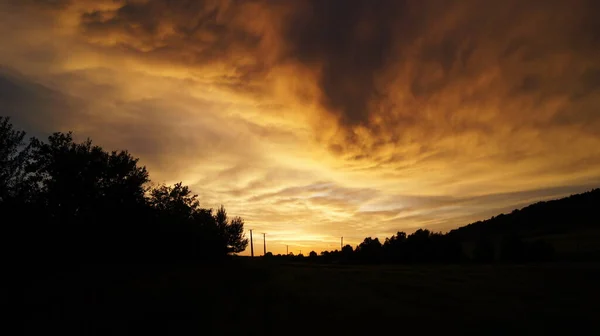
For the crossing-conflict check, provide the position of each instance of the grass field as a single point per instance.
(259, 298)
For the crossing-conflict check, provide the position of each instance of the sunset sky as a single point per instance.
(315, 119)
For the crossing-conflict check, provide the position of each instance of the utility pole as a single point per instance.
(342, 243)
(251, 244)
(287, 251)
(264, 244)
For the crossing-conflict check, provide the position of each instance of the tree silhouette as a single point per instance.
(14, 152)
(394, 247)
(418, 246)
(175, 201)
(347, 249)
(231, 231)
(81, 180)
(236, 240)
(370, 250)
(78, 202)
(178, 205)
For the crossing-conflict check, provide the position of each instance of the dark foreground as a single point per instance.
(258, 298)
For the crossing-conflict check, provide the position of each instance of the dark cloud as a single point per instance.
(529, 83)
(185, 32)
(360, 49)
(351, 42)
(34, 107)
(44, 4)
(590, 79)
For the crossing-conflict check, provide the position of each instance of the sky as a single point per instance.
(316, 119)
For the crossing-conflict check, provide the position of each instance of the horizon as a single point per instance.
(315, 120)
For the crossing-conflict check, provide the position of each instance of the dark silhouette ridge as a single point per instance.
(572, 213)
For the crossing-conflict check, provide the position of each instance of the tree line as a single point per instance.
(516, 237)
(425, 246)
(65, 201)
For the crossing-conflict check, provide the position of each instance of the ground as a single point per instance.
(258, 297)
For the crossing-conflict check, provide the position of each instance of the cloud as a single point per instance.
(351, 43)
(30, 104)
(315, 119)
(192, 32)
(466, 70)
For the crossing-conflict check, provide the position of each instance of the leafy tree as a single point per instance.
(370, 250)
(76, 200)
(177, 203)
(236, 239)
(312, 254)
(394, 247)
(347, 250)
(231, 231)
(419, 246)
(14, 152)
(174, 201)
(82, 180)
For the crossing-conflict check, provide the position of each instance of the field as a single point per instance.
(256, 297)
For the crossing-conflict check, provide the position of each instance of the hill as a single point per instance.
(571, 224)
